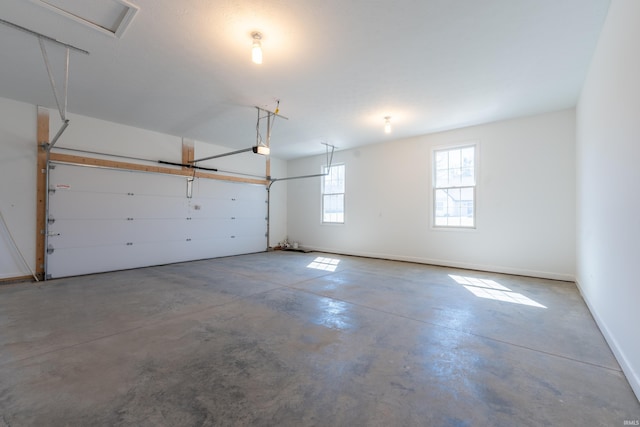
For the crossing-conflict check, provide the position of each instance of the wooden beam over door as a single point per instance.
(187, 152)
(41, 189)
(90, 161)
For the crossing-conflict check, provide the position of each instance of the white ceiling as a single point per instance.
(338, 66)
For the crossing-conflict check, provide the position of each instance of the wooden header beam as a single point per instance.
(89, 161)
(188, 151)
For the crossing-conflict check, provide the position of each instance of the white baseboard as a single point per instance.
(623, 361)
(455, 264)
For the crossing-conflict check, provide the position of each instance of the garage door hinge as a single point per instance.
(129, 243)
(50, 249)
(52, 191)
(51, 220)
(52, 166)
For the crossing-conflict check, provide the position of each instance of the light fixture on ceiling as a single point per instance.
(256, 48)
(261, 149)
(387, 124)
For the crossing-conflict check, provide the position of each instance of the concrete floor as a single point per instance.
(266, 339)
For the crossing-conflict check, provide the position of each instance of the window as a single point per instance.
(333, 194)
(454, 187)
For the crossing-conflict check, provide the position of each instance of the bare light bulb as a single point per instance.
(256, 48)
(387, 124)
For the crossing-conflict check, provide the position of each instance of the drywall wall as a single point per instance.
(525, 200)
(18, 168)
(17, 187)
(608, 204)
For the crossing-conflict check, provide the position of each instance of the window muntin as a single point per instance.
(333, 194)
(454, 187)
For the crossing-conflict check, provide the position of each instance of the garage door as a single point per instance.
(110, 219)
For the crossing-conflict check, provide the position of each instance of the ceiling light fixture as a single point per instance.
(256, 48)
(387, 124)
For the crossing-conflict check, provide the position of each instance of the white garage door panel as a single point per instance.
(84, 204)
(99, 180)
(108, 219)
(72, 233)
(245, 245)
(82, 232)
(226, 228)
(249, 227)
(233, 210)
(216, 209)
(227, 208)
(75, 205)
(75, 261)
(146, 207)
(211, 229)
(250, 208)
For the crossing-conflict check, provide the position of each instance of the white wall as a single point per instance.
(525, 200)
(608, 202)
(17, 186)
(18, 169)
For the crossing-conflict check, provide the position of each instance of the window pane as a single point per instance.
(454, 183)
(468, 157)
(454, 159)
(333, 182)
(442, 178)
(467, 206)
(454, 177)
(333, 187)
(468, 177)
(442, 160)
(333, 208)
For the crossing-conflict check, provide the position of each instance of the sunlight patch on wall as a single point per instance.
(490, 289)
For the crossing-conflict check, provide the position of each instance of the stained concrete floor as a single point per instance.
(267, 339)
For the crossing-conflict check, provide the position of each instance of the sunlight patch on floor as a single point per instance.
(490, 289)
(322, 263)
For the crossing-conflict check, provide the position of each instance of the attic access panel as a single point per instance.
(107, 16)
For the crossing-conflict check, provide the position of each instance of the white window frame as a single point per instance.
(323, 194)
(474, 187)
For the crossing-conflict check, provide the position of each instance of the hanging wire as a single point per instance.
(51, 79)
(258, 135)
(15, 245)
